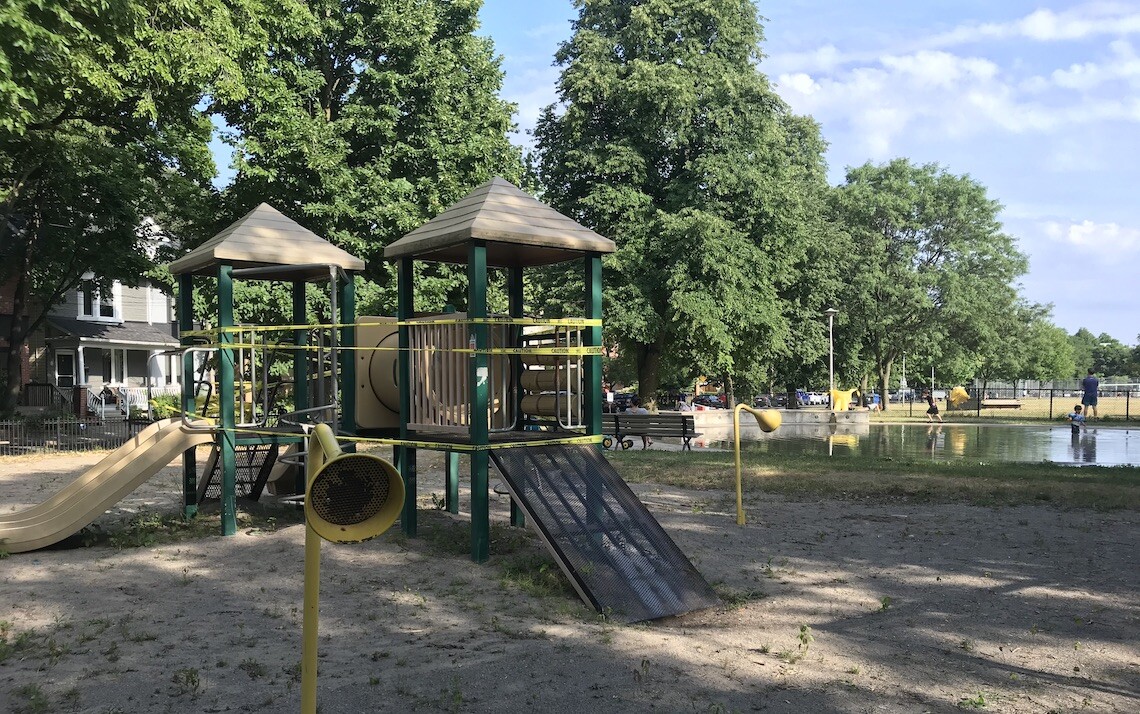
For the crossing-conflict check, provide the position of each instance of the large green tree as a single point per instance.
(100, 130)
(1022, 344)
(668, 139)
(1102, 353)
(367, 119)
(932, 273)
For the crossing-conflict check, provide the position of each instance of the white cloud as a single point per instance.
(800, 83)
(1044, 25)
(938, 93)
(1107, 239)
(1080, 23)
(532, 90)
(930, 69)
(933, 91)
(550, 30)
(1122, 65)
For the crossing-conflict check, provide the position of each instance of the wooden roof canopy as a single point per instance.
(518, 230)
(266, 238)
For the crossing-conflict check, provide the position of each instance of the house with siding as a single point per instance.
(117, 338)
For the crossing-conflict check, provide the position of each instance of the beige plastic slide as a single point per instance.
(104, 484)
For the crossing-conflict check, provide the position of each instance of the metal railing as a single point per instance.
(39, 395)
(64, 435)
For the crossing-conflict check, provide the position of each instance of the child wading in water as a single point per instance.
(932, 411)
(1076, 419)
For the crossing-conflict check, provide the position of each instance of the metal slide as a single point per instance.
(82, 501)
(615, 553)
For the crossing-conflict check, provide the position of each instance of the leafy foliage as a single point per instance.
(366, 119)
(667, 139)
(935, 274)
(101, 130)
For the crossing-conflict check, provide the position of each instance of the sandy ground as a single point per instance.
(830, 607)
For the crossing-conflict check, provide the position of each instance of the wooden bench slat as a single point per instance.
(664, 425)
(1001, 404)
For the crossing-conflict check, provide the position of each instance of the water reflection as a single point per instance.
(974, 442)
(1084, 447)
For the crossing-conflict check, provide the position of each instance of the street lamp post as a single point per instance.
(831, 313)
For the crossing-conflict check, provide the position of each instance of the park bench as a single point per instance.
(1001, 404)
(672, 424)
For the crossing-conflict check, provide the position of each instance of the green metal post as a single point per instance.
(451, 473)
(185, 324)
(300, 362)
(593, 338)
(348, 356)
(592, 377)
(228, 452)
(407, 458)
(515, 297)
(479, 376)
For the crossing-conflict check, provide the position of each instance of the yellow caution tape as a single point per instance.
(556, 322)
(435, 445)
(583, 350)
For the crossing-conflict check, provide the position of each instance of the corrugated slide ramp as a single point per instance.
(615, 553)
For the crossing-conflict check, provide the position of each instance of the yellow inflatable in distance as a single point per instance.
(841, 399)
(957, 396)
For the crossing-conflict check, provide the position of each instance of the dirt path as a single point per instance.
(830, 607)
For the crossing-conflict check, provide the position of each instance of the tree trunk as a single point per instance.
(729, 392)
(17, 333)
(884, 381)
(649, 373)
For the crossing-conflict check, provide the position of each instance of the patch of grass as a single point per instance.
(535, 574)
(451, 698)
(975, 702)
(187, 681)
(34, 700)
(150, 528)
(918, 481)
(734, 599)
(10, 645)
(255, 669)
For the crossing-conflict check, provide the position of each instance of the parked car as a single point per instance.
(770, 401)
(621, 401)
(709, 401)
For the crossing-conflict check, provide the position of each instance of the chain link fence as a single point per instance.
(1114, 403)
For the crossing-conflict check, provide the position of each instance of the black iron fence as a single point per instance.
(1116, 403)
(40, 435)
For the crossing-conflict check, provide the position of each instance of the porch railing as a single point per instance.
(125, 399)
(38, 395)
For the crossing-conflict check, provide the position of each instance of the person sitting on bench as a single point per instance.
(636, 408)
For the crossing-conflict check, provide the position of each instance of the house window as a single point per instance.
(94, 304)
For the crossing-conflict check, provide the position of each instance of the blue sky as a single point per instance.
(1038, 101)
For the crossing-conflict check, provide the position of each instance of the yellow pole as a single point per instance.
(768, 420)
(310, 619)
(740, 518)
(322, 444)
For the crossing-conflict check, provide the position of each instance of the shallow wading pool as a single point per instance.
(1101, 446)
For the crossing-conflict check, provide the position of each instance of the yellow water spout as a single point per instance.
(769, 420)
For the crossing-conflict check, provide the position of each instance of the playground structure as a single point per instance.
(523, 392)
